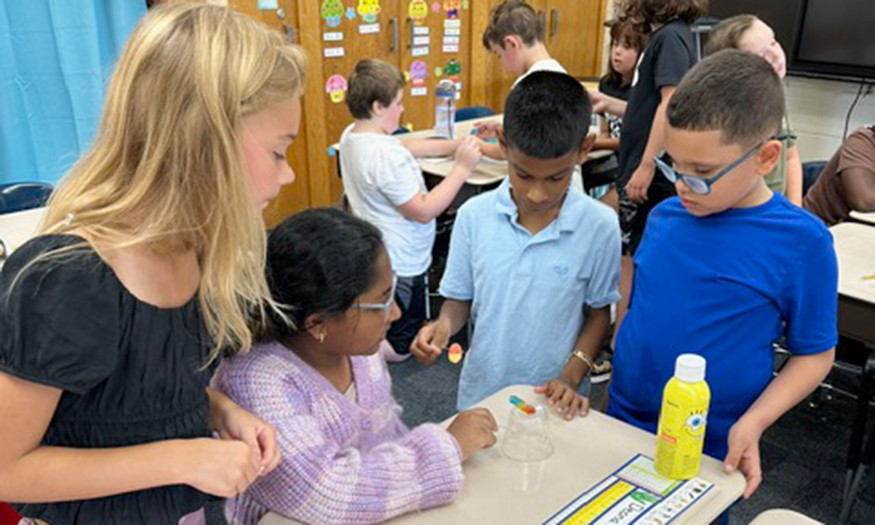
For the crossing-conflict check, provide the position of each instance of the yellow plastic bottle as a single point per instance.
(682, 419)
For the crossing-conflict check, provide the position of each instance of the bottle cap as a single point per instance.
(690, 368)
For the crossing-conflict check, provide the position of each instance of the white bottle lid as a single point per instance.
(690, 368)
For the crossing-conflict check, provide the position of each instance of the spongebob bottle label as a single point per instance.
(681, 434)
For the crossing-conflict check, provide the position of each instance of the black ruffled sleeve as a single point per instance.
(59, 317)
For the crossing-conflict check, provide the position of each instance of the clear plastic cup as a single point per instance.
(527, 438)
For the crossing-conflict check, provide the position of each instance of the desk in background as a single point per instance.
(868, 218)
(855, 250)
(783, 517)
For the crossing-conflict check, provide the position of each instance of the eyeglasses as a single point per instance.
(385, 307)
(702, 185)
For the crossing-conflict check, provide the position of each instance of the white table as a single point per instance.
(499, 490)
(868, 218)
(783, 517)
(855, 250)
(16, 228)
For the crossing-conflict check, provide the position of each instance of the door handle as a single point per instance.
(291, 38)
(554, 22)
(394, 23)
(410, 26)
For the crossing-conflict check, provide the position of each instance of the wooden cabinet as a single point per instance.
(573, 34)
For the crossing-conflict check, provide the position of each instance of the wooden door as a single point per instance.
(371, 30)
(429, 44)
(573, 34)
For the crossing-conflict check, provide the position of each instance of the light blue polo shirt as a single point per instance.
(527, 292)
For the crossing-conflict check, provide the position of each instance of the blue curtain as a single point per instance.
(56, 58)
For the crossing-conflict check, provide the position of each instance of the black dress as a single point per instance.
(130, 372)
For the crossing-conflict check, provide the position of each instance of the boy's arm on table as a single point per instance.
(801, 375)
(33, 473)
(643, 175)
(430, 147)
(794, 176)
(423, 208)
(434, 337)
(562, 391)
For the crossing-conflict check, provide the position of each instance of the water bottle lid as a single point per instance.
(690, 368)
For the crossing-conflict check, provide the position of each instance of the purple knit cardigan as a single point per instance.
(342, 461)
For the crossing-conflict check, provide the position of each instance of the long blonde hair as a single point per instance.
(166, 170)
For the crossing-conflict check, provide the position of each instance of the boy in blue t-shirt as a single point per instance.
(527, 258)
(727, 268)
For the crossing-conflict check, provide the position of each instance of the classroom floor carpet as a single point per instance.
(803, 454)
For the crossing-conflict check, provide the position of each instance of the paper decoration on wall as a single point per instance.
(369, 9)
(418, 11)
(333, 52)
(452, 23)
(332, 36)
(419, 91)
(350, 13)
(407, 76)
(419, 51)
(451, 48)
(421, 41)
(452, 8)
(336, 88)
(421, 31)
(331, 11)
(418, 72)
(436, 7)
(438, 72)
(267, 4)
(369, 29)
(453, 68)
(465, 5)
(409, 127)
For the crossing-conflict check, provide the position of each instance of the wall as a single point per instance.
(817, 112)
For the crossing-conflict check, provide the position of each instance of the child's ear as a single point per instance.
(585, 148)
(512, 42)
(768, 156)
(314, 324)
(377, 108)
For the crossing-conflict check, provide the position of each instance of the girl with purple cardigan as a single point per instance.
(318, 377)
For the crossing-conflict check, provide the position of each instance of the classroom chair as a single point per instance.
(810, 172)
(20, 196)
(473, 112)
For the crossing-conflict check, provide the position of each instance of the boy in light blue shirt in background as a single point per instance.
(527, 258)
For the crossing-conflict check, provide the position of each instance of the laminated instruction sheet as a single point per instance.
(634, 494)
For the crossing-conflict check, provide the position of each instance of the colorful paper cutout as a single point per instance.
(452, 8)
(336, 87)
(418, 72)
(438, 72)
(369, 9)
(418, 11)
(331, 11)
(453, 68)
(350, 13)
(436, 7)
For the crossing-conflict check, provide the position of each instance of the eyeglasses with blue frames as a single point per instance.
(385, 307)
(702, 185)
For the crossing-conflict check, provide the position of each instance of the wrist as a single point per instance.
(178, 469)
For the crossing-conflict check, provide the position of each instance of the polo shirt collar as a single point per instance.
(569, 213)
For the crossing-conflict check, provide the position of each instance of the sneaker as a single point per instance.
(390, 355)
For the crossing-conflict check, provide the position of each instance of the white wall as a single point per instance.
(817, 113)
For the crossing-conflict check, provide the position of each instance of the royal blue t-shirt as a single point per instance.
(723, 287)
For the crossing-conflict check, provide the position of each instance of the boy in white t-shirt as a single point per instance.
(384, 186)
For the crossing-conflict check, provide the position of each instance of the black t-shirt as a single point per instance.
(669, 54)
(612, 85)
(131, 373)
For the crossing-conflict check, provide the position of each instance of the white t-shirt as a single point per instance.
(380, 175)
(547, 64)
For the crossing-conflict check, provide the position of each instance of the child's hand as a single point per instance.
(474, 430)
(238, 424)
(430, 342)
(219, 467)
(564, 399)
(468, 153)
(487, 130)
(600, 101)
(639, 183)
(744, 453)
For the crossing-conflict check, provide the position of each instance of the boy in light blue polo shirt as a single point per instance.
(528, 257)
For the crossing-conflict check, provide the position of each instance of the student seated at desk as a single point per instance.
(385, 187)
(847, 183)
(527, 258)
(317, 376)
(725, 266)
